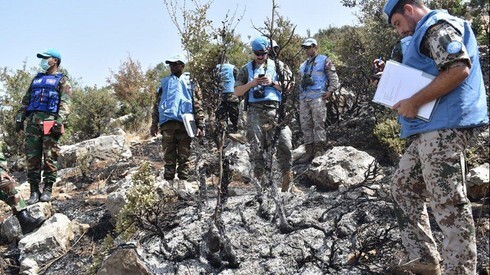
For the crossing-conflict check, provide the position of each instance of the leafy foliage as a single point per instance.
(92, 110)
(135, 92)
(15, 84)
(141, 198)
(388, 132)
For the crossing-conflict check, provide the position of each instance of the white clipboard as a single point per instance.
(400, 82)
(190, 124)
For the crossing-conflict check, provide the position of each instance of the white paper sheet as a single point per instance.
(400, 82)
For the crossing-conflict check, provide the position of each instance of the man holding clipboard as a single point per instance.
(433, 166)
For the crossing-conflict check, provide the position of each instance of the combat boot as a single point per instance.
(308, 156)
(28, 223)
(46, 195)
(35, 193)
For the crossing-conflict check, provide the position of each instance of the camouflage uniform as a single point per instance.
(261, 117)
(433, 168)
(313, 112)
(42, 150)
(176, 143)
(8, 193)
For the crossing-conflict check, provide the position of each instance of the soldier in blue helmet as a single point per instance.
(433, 166)
(258, 81)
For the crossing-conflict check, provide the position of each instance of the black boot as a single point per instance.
(46, 195)
(35, 193)
(28, 223)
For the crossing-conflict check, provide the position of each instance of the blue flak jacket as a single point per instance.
(318, 75)
(176, 98)
(226, 77)
(271, 93)
(465, 106)
(44, 94)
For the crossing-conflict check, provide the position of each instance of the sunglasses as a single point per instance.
(306, 47)
(260, 53)
(175, 63)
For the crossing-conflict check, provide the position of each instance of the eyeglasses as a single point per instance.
(306, 47)
(175, 63)
(260, 53)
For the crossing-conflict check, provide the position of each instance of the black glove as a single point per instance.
(56, 130)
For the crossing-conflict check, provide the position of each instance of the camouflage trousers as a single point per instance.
(260, 120)
(42, 154)
(228, 109)
(9, 194)
(433, 169)
(313, 114)
(176, 145)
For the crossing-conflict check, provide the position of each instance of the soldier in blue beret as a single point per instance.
(433, 166)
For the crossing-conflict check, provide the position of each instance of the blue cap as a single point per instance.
(389, 7)
(49, 53)
(260, 43)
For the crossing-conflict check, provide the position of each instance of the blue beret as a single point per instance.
(389, 7)
(260, 43)
(49, 53)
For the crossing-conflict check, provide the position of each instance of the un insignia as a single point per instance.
(454, 47)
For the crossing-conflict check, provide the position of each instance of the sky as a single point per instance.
(96, 36)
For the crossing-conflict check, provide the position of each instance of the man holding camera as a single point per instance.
(45, 106)
(318, 81)
(258, 82)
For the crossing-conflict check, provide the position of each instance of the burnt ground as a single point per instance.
(86, 205)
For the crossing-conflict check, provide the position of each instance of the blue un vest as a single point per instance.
(176, 98)
(227, 77)
(318, 75)
(44, 94)
(271, 93)
(465, 106)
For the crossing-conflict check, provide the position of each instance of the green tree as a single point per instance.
(14, 85)
(92, 111)
(135, 92)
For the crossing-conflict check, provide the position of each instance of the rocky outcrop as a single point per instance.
(341, 166)
(111, 149)
(477, 183)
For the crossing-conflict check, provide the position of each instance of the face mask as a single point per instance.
(44, 64)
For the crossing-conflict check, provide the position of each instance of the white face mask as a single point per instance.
(44, 64)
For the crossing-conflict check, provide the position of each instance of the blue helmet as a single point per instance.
(260, 43)
(389, 7)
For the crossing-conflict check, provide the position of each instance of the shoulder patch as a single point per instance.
(454, 47)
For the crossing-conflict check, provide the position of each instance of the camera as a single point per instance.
(259, 92)
(306, 80)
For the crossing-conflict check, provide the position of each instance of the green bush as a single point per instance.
(141, 198)
(14, 85)
(91, 112)
(387, 131)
